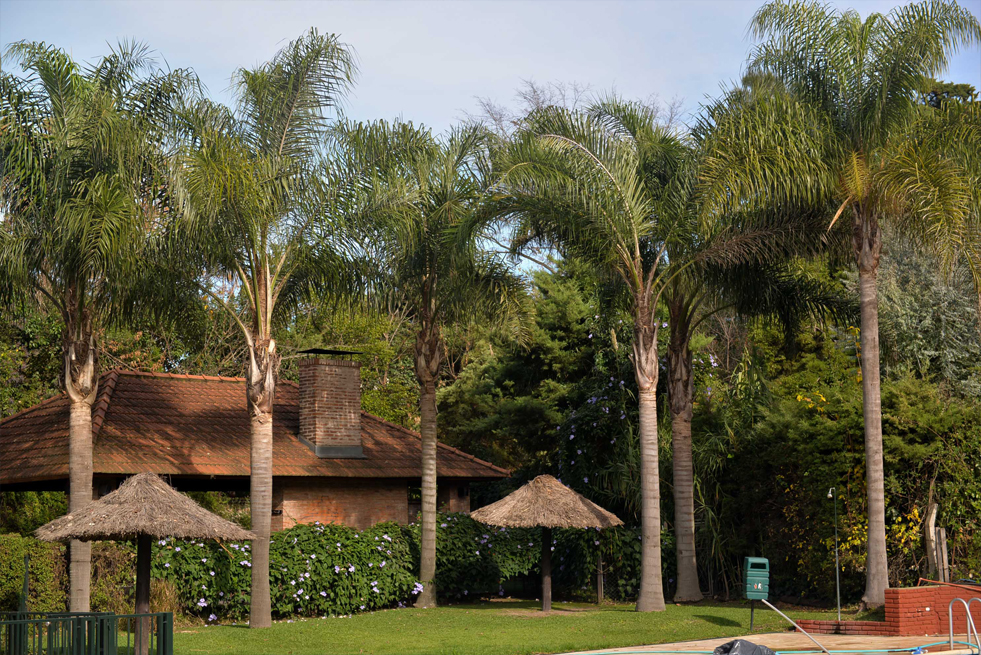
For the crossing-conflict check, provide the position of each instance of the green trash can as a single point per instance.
(756, 578)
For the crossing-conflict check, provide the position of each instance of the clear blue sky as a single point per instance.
(427, 61)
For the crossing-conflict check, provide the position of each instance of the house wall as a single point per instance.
(453, 497)
(353, 502)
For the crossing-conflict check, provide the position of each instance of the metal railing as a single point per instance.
(37, 633)
(970, 627)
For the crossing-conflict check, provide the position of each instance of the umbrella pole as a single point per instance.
(143, 593)
(546, 569)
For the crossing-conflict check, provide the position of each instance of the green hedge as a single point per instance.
(47, 592)
(472, 558)
(318, 570)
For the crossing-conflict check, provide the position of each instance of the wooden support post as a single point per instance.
(143, 551)
(943, 566)
(546, 569)
(599, 581)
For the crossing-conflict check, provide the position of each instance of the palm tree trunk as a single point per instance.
(80, 380)
(427, 360)
(651, 595)
(261, 391)
(427, 559)
(80, 495)
(867, 240)
(681, 393)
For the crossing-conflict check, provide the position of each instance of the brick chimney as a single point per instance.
(330, 406)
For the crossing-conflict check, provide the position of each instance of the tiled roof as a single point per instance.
(198, 425)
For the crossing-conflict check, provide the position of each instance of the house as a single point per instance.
(332, 462)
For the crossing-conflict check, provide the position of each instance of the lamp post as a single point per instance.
(833, 494)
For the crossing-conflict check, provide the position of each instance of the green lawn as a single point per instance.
(498, 628)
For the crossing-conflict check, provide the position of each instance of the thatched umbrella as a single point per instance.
(143, 508)
(546, 503)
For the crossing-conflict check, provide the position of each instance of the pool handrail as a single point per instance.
(970, 621)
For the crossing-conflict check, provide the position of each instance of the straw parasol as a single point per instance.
(546, 503)
(143, 508)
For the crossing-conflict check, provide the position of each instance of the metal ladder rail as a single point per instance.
(970, 621)
(977, 639)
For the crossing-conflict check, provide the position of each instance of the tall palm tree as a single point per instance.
(829, 118)
(255, 233)
(81, 151)
(425, 221)
(610, 186)
(774, 287)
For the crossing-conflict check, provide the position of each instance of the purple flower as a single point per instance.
(204, 560)
(167, 565)
(586, 480)
(337, 569)
(212, 573)
(324, 594)
(178, 549)
(212, 618)
(162, 542)
(202, 603)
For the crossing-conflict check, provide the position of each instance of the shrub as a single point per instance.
(314, 570)
(47, 589)
(472, 558)
(318, 570)
(113, 584)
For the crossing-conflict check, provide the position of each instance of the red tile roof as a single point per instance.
(198, 425)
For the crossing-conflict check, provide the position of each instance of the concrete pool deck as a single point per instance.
(784, 641)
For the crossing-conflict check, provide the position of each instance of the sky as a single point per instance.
(429, 61)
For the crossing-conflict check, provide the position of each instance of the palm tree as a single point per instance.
(425, 220)
(81, 149)
(610, 187)
(775, 287)
(829, 118)
(254, 232)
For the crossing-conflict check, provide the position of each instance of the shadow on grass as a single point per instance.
(718, 620)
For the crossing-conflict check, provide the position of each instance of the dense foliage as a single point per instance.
(333, 217)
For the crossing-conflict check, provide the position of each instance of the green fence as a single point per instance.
(35, 633)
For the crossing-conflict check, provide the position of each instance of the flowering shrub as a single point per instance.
(472, 558)
(314, 570)
(318, 570)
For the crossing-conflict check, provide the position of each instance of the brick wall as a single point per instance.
(453, 497)
(356, 503)
(910, 611)
(330, 406)
(923, 610)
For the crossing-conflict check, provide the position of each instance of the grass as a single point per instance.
(487, 628)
